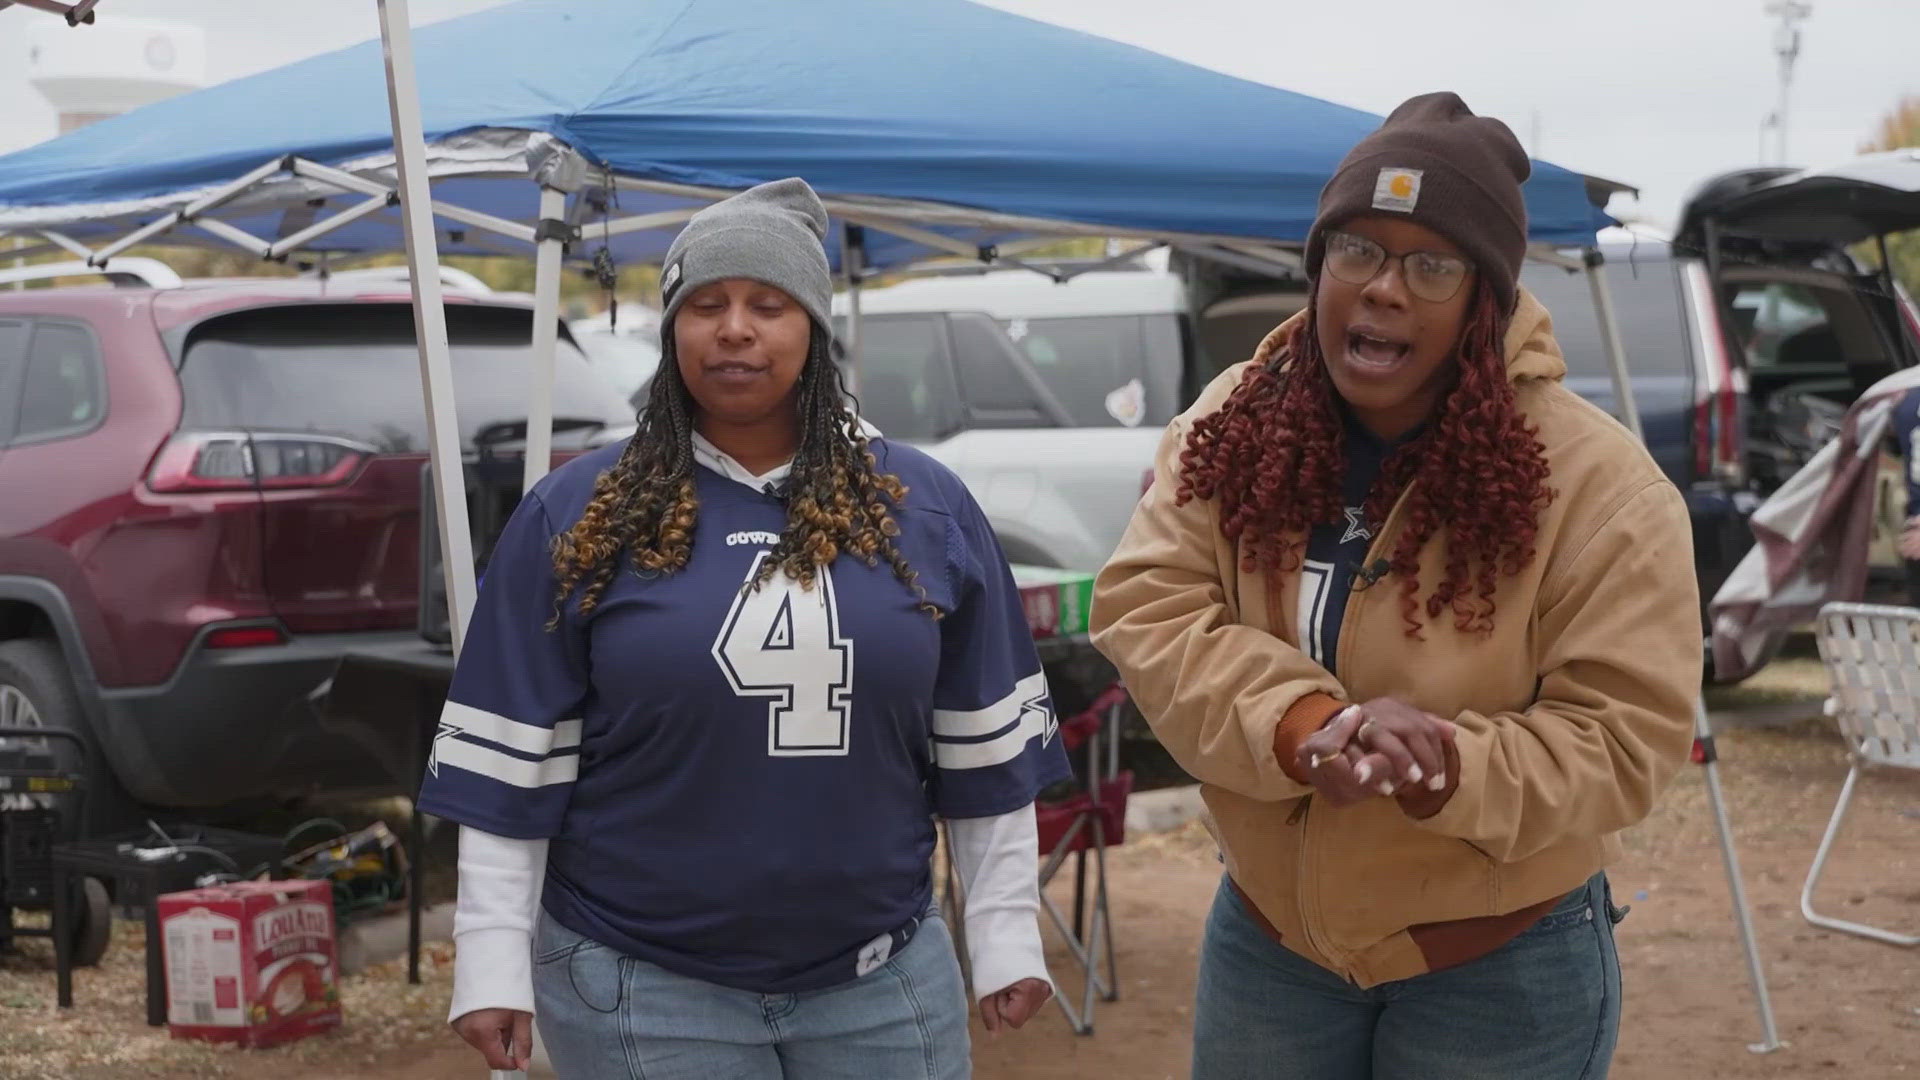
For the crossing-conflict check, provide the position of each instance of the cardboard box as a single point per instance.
(254, 962)
(1056, 601)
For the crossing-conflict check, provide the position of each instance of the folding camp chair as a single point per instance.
(1872, 653)
(1087, 822)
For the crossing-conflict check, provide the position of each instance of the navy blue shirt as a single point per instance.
(740, 785)
(1336, 558)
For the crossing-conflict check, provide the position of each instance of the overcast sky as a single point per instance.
(1656, 93)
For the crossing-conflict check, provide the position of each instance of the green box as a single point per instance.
(1056, 601)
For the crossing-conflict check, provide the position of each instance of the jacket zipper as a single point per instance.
(1308, 917)
(1348, 621)
(1306, 892)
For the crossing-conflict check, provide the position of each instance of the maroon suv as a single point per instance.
(207, 493)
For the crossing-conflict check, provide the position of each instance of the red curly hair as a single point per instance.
(1273, 456)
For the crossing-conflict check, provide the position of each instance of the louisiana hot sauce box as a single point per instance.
(253, 962)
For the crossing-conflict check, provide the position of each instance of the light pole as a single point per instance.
(1786, 46)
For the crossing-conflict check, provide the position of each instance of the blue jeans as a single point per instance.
(1544, 1006)
(604, 1016)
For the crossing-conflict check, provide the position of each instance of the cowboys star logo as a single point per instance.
(1042, 703)
(1356, 526)
(873, 955)
(433, 754)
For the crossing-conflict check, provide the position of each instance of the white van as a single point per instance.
(1047, 399)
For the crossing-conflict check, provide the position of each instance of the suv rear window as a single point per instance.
(1646, 299)
(352, 371)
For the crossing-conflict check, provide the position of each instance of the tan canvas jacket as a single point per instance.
(1572, 714)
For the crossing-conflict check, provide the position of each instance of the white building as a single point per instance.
(89, 73)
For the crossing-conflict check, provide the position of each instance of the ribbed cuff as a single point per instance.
(1304, 717)
(1004, 947)
(492, 969)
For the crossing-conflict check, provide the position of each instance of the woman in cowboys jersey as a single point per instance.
(718, 683)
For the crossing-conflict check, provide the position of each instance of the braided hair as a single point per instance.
(646, 507)
(1274, 456)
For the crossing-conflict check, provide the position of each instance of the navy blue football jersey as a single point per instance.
(1336, 557)
(740, 784)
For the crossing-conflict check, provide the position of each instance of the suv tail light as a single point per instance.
(244, 637)
(237, 461)
(1719, 443)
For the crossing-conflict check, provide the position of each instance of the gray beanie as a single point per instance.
(772, 233)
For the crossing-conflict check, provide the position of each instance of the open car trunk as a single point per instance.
(1812, 325)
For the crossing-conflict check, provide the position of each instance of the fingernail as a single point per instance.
(1386, 787)
(1438, 783)
(1414, 774)
(1316, 761)
(1363, 772)
(1347, 713)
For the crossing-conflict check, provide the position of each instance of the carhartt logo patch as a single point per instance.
(1397, 190)
(670, 280)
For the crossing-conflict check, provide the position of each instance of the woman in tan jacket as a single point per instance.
(1424, 624)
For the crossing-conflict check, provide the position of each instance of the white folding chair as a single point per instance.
(1872, 654)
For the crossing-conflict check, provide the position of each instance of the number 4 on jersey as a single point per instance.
(783, 643)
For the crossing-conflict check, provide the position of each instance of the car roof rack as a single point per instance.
(450, 277)
(126, 272)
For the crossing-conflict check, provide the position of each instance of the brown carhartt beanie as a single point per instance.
(1437, 164)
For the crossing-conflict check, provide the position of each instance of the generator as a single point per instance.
(40, 805)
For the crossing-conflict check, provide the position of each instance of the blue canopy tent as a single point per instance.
(939, 128)
(986, 126)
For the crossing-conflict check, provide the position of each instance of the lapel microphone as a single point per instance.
(1372, 574)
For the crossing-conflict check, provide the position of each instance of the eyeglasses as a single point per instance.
(1429, 275)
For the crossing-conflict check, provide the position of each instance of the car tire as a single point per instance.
(36, 690)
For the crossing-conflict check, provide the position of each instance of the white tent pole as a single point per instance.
(546, 322)
(1702, 732)
(850, 265)
(429, 317)
(1610, 337)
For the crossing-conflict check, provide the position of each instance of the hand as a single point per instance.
(504, 1036)
(1909, 541)
(1413, 741)
(1014, 1006)
(1384, 747)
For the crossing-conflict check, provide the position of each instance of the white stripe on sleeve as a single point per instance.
(488, 762)
(1029, 718)
(512, 734)
(956, 724)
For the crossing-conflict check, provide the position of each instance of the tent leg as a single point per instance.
(850, 264)
(429, 314)
(1702, 730)
(546, 315)
(1628, 409)
(1703, 735)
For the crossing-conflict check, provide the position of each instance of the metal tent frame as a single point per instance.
(76, 12)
